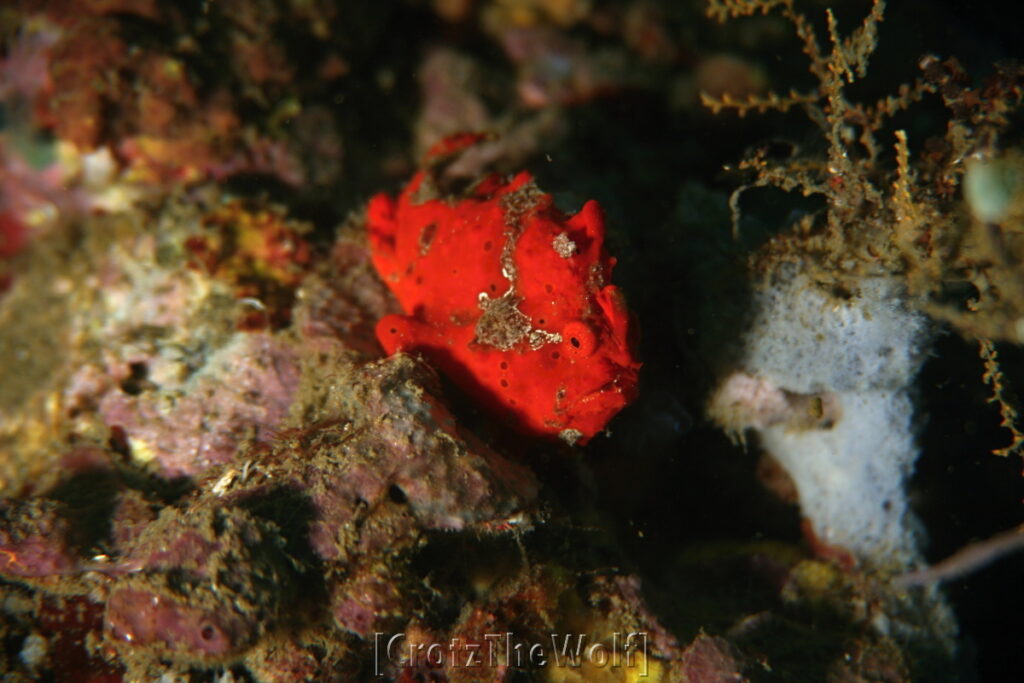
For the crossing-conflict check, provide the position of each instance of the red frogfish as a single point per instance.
(509, 297)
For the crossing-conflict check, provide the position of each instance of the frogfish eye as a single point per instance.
(578, 339)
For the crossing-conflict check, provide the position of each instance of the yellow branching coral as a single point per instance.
(908, 220)
(1000, 395)
(950, 220)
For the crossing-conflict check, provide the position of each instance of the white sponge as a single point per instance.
(808, 341)
(824, 382)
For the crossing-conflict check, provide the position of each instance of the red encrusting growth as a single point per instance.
(509, 297)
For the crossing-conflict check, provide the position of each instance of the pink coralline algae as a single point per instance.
(327, 508)
(33, 539)
(242, 393)
(200, 584)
